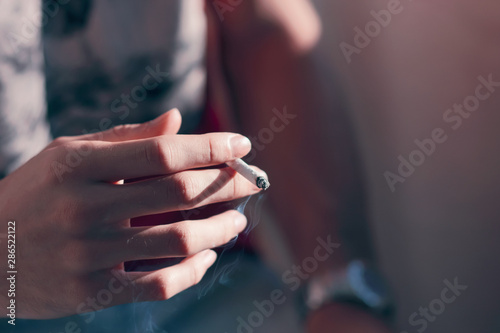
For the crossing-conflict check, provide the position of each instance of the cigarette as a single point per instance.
(244, 169)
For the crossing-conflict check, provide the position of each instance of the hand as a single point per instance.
(73, 214)
(337, 317)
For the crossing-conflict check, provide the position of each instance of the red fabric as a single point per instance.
(210, 122)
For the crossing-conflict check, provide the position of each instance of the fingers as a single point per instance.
(179, 239)
(182, 191)
(167, 123)
(163, 155)
(167, 282)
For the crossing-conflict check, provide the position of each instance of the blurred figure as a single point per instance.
(411, 68)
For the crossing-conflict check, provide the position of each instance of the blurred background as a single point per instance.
(443, 221)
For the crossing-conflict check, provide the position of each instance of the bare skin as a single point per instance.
(74, 235)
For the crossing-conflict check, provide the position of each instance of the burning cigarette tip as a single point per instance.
(262, 183)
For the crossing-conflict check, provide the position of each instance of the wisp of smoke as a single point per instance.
(221, 273)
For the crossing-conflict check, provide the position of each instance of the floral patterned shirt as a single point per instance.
(69, 67)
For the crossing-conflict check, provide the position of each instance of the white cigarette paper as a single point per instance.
(246, 171)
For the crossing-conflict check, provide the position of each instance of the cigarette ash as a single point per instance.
(263, 183)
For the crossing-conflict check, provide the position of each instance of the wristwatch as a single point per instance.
(357, 284)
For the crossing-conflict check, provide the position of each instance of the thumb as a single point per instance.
(167, 123)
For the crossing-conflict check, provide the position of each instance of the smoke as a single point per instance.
(143, 314)
(222, 271)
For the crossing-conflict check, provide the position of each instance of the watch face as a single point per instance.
(367, 284)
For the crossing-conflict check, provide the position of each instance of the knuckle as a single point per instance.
(180, 241)
(57, 170)
(212, 150)
(81, 147)
(218, 149)
(158, 154)
(59, 152)
(160, 289)
(184, 188)
(67, 158)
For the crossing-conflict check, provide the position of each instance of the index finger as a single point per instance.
(164, 155)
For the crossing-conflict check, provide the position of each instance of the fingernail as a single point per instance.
(240, 221)
(240, 145)
(210, 257)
